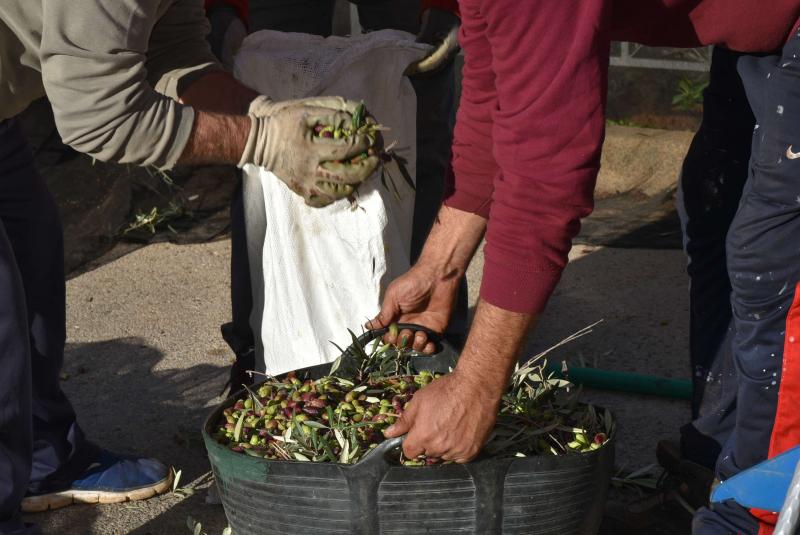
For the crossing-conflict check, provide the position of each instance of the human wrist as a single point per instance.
(216, 139)
(493, 347)
(485, 394)
(452, 242)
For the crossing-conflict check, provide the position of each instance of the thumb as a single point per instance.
(388, 314)
(401, 427)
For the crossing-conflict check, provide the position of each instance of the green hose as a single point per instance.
(624, 381)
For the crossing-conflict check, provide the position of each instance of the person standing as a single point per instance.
(130, 81)
(526, 154)
(435, 22)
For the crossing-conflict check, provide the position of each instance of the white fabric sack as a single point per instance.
(317, 272)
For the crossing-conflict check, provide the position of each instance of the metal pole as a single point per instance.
(787, 520)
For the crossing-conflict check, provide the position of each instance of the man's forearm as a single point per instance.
(493, 347)
(216, 139)
(221, 125)
(452, 242)
(218, 92)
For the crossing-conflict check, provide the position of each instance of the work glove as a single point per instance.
(227, 33)
(440, 29)
(319, 169)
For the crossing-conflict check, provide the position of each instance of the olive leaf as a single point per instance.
(237, 433)
(315, 424)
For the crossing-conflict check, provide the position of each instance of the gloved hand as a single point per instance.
(319, 169)
(440, 29)
(227, 33)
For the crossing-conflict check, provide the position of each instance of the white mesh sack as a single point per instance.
(317, 272)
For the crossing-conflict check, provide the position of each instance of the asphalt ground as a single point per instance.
(145, 362)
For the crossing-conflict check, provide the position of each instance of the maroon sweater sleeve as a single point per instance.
(528, 136)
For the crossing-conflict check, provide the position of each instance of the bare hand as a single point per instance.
(450, 419)
(419, 296)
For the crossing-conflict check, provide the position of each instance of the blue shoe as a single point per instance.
(112, 478)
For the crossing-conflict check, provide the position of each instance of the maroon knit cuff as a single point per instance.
(515, 290)
(461, 200)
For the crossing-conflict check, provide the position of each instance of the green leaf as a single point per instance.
(402, 166)
(330, 414)
(358, 116)
(257, 405)
(315, 424)
(356, 347)
(301, 457)
(176, 479)
(337, 362)
(339, 437)
(237, 431)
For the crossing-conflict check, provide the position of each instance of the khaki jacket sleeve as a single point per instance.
(178, 52)
(102, 61)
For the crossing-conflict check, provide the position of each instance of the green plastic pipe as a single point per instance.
(624, 381)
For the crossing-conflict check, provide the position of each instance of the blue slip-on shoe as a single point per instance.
(113, 478)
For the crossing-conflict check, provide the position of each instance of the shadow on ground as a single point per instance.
(106, 380)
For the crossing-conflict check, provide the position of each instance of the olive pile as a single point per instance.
(342, 416)
(329, 419)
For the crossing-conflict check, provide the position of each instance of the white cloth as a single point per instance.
(317, 272)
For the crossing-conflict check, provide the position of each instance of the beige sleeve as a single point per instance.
(102, 61)
(178, 52)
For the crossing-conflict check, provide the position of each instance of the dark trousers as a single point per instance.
(435, 118)
(741, 214)
(316, 16)
(41, 445)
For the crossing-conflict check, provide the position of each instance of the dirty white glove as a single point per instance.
(319, 169)
(440, 29)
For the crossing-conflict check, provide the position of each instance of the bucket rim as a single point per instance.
(216, 449)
